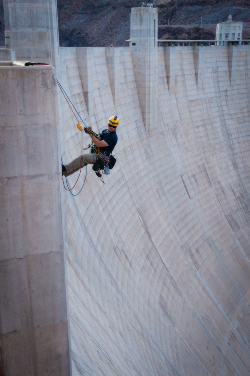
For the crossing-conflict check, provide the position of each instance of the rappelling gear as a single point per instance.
(88, 130)
(79, 127)
(113, 121)
(106, 170)
(102, 155)
(104, 160)
(104, 163)
(112, 162)
(74, 112)
(99, 164)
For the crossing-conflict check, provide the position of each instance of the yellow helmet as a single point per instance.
(114, 121)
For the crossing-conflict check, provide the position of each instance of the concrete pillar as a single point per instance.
(6, 54)
(144, 48)
(111, 58)
(84, 57)
(31, 29)
(34, 337)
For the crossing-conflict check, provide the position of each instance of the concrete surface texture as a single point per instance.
(31, 29)
(34, 314)
(144, 48)
(157, 258)
(6, 54)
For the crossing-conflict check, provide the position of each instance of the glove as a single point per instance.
(79, 127)
(88, 130)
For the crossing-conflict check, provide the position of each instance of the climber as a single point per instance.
(103, 147)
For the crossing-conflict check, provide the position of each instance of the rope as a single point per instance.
(82, 148)
(68, 100)
(79, 171)
(70, 189)
(74, 185)
(65, 96)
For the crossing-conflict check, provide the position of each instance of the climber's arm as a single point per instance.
(98, 143)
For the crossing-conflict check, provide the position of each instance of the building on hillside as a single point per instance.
(229, 33)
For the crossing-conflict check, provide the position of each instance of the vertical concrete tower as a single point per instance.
(144, 48)
(34, 336)
(31, 29)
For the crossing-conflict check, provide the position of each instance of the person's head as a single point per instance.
(113, 123)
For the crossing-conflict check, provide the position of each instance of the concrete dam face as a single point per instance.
(149, 273)
(158, 257)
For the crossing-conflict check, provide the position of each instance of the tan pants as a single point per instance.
(78, 163)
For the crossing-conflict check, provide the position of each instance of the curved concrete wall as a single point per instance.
(158, 257)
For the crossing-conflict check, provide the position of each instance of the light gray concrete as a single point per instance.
(31, 29)
(144, 49)
(158, 258)
(34, 314)
(7, 54)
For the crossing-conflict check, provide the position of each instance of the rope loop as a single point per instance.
(70, 189)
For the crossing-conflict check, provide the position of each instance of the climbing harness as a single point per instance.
(103, 162)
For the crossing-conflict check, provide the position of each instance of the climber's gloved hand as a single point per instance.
(88, 130)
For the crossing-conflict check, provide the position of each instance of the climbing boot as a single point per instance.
(63, 169)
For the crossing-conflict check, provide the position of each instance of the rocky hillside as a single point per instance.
(106, 22)
(187, 32)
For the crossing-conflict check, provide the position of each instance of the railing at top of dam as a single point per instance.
(184, 42)
(174, 42)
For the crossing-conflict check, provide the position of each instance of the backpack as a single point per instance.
(112, 162)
